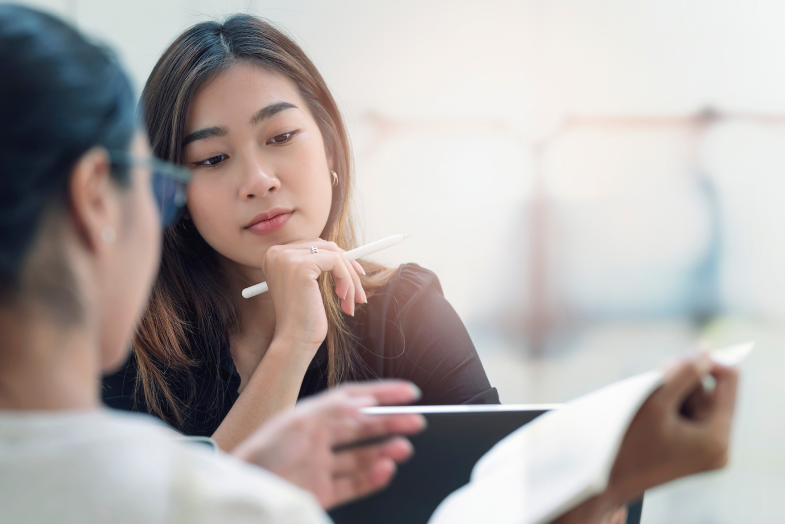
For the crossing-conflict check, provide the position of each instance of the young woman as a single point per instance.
(240, 105)
(79, 246)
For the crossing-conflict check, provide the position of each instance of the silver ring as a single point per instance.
(314, 249)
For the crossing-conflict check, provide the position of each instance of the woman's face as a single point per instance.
(130, 263)
(261, 176)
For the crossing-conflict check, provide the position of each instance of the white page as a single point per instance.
(559, 460)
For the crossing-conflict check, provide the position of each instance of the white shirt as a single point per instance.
(90, 467)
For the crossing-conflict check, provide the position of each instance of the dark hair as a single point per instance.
(191, 314)
(60, 95)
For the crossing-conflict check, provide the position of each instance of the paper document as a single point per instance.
(560, 459)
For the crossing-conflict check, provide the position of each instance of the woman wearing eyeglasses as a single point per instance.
(242, 107)
(79, 250)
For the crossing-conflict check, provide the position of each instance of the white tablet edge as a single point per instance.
(471, 408)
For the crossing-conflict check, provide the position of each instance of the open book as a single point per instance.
(560, 459)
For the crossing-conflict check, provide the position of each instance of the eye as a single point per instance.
(282, 138)
(212, 161)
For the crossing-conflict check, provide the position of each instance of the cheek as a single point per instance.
(145, 248)
(136, 261)
(213, 211)
(311, 181)
(323, 203)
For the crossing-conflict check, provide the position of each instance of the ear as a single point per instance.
(92, 197)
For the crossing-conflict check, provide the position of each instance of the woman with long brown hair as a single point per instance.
(244, 108)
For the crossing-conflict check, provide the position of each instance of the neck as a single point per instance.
(257, 319)
(44, 365)
(254, 312)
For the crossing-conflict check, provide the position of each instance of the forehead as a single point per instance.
(235, 94)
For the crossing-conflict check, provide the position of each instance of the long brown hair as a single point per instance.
(191, 314)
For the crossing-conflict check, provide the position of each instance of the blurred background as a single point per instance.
(598, 184)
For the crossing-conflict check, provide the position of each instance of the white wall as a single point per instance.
(445, 99)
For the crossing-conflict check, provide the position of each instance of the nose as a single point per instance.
(258, 180)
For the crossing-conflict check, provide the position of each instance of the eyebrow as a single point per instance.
(207, 132)
(270, 111)
(260, 116)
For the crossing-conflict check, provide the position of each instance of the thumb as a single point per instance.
(683, 377)
(725, 393)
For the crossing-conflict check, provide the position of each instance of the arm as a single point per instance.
(292, 273)
(597, 510)
(273, 388)
(303, 445)
(680, 430)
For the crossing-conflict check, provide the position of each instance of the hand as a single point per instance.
(617, 516)
(680, 430)
(292, 273)
(299, 445)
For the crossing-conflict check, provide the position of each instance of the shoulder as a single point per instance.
(215, 487)
(408, 285)
(133, 467)
(410, 331)
(207, 486)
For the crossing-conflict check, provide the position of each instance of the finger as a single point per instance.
(353, 460)
(683, 378)
(336, 404)
(376, 426)
(348, 288)
(339, 409)
(702, 404)
(698, 405)
(359, 292)
(354, 294)
(619, 516)
(352, 487)
(386, 392)
(725, 393)
(350, 430)
(358, 267)
(323, 245)
(348, 293)
(335, 263)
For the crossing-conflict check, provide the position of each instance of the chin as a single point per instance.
(114, 353)
(112, 362)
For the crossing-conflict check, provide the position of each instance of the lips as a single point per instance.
(269, 221)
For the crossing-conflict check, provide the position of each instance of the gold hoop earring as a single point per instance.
(335, 178)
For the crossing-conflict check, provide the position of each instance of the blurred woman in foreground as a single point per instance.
(79, 248)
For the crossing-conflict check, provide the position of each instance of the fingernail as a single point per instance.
(709, 383)
(417, 392)
(703, 363)
(407, 446)
(365, 297)
(362, 270)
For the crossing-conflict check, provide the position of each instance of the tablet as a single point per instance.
(444, 455)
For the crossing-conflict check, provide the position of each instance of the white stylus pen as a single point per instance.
(354, 254)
